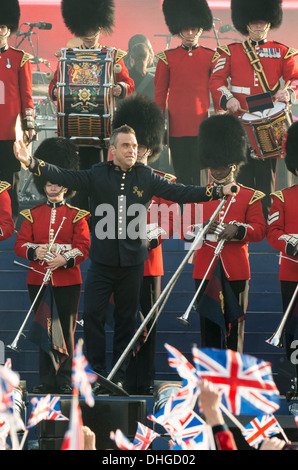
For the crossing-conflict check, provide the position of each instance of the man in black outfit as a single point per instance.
(120, 191)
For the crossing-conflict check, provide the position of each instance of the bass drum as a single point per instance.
(265, 130)
(85, 102)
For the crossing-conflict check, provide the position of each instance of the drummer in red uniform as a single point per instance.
(70, 248)
(181, 83)
(145, 117)
(87, 20)
(15, 99)
(6, 222)
(282, 234)
(222, 148)
(277, 61)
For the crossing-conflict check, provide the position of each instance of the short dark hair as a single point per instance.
(125, 129)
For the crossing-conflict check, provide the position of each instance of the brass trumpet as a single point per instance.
(47, 275)
(184, 318)
(277, 338)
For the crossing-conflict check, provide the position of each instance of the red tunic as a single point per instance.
(6, 222)
(39, 228)
(282, 228)
(246, 212)
(15, 90)
(122, 77)
(161, 220)
(232, 62)
(181, 82)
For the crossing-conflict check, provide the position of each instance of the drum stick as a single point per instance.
(245, 111)
(284, 88)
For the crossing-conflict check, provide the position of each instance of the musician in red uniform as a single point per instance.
(6, 222)
(282, 234)
(222, 148)
(70, 248)
(277, 61)
(145, 117)
(87, 20)
(181, 83)
(15, 99)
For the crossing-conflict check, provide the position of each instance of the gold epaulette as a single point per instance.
(26, 213)
(4, 186)
(25, 57)
(217, 54)
(290, 53)
(162, 56)
(119, 55)
(167, 176)
(79, 215)
(256, 196)
(279, 195)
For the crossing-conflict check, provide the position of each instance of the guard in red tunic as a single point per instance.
(254, 66)
(145, 117)
(181, 83)
(15, 99)
(71, 247)
(282, 234)
(223, 148)
(6, 222)
(87, 20)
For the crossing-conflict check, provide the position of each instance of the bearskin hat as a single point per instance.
(222, 141)
(10, 14)
(146, 118)
(56, 151)
(291, 148)
(180, 14)
(83, 16)
(247, 11)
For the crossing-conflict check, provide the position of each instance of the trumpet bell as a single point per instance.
(13, 347)
(276, 341)
(183, 320)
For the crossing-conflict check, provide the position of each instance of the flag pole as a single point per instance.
(232, 417)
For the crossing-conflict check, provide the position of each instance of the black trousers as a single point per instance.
(260, 175)
(140, 373)
(125, 284)
(211, 335)
(67, 301)
(184, 154)
(10, 172)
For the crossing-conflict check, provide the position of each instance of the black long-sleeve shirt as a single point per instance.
(119, 201)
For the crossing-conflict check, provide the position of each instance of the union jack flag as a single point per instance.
(143, 437)
(260, 428)
(54, 411)
(245, 382)
(187, 395)
(121, 440)
(40, 410)
(180, 427)
(202, 441)
(82, 375)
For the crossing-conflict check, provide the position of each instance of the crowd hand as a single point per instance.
(282, 95)
(56, 262)
(117, 90)
(21, 152)
(89, 438)
(273, 443)
(209, 402)
(233, 105)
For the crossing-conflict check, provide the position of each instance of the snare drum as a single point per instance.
(85, 102)
(265, 130)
